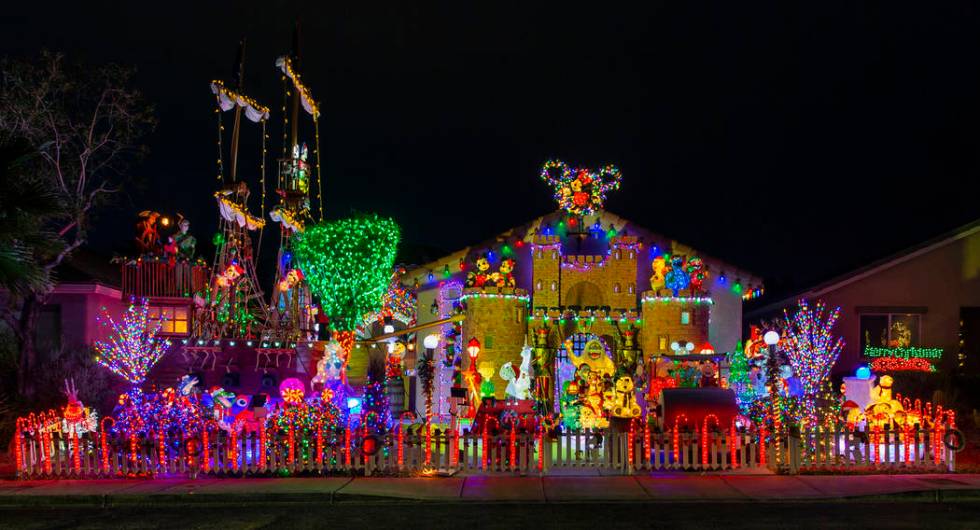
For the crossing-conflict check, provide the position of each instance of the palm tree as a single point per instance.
(25, 206)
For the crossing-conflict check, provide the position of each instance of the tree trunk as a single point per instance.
(27, 326)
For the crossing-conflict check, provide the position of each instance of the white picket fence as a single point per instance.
(96, 454)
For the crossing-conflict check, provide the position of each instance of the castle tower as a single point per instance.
(668, 319)
(546, 277)
(499, 322)
(621, 272)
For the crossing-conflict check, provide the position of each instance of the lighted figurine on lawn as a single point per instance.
(77, 417)
(486, 371)
(620, 401)
(509, 373)
(594, 356)
(481, 275)
(884, 409)
(570, 405)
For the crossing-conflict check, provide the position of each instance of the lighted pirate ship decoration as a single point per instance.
(232, 305)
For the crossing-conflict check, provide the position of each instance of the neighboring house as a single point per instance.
(918, 309)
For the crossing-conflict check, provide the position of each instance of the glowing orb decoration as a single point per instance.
(863, 372)
(292, 390)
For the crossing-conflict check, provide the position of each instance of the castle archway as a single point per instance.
(585, 294)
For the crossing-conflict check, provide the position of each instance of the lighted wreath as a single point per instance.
(580, 191)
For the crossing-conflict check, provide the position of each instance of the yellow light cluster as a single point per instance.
(287, 68)
(219, 86)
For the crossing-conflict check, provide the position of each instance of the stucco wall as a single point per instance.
(942, 281)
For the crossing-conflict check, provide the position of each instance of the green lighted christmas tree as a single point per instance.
(348, 265)
(738, 376)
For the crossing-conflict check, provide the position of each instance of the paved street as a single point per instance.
(638, 488)
(512, 516)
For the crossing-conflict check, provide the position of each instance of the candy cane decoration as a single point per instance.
(103, 445)
(732, 442)
(677, 436)
(705, 437)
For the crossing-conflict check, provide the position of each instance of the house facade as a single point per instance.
(918, 310)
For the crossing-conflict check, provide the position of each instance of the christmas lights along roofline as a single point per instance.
(883, 264)
(527, 231)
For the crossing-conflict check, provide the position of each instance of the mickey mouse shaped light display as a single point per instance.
(580, 191)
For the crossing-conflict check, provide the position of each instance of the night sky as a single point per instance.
(795, 141)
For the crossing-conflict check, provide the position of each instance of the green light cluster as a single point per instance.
(348, 265)
(909, 352)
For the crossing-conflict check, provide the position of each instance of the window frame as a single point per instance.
(155, 313)
(888, 327)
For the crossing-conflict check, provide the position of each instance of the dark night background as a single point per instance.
(795, 140)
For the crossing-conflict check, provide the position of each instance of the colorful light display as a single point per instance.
(348, 264)
(580, 191)
(812, 350)
(133, 346)
(902, 364)
(910, 352)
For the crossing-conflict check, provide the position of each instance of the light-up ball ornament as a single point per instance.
(675, 346)
(771, 338)
(689, 346)
(863, 372)
(431, 341)
(292, 390)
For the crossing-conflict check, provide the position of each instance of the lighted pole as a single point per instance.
(431, 342)
(771, 338)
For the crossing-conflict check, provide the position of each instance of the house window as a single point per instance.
(662, 342)
(175, 319)
(488, 341)
(554, 254)
(892, 330)
(617, 288)
(618, 254)
(554, 285)
(537, 285)
(631, 288)
(685, 317)
(540, 254)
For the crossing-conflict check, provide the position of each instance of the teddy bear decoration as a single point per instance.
(580, 191)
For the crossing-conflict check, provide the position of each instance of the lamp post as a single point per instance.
(771, 338)
(430, 342)
(473, 348)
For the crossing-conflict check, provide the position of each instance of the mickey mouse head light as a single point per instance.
(580, 191)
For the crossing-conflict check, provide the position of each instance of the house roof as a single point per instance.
(872, 268)
(527, 231)
(86, 266)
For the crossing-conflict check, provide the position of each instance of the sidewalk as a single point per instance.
(637, 488)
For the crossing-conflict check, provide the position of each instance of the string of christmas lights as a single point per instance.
(132, 347)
